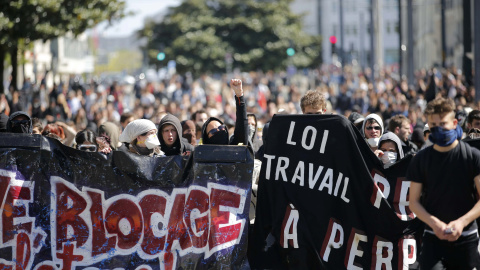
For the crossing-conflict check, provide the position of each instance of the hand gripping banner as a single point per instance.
(66, 209)
(326, 202)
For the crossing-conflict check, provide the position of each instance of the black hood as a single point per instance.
(15, 114)
(178, 147)
(205, 139)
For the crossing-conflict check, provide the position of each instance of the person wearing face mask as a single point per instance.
(20, 122)
(142, 136)
(214, 130)
(171, 143)
(372, 129)
(445, 185)
(391, 149)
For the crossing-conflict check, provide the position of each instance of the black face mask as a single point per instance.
(220, 137)
(21, 128)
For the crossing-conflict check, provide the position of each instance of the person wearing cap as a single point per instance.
(400, 125)
(141, 134)
(19, 122)
(390, 149)
(356, 119)
(214, 130)
(171, 143)
(313, 102)
(372, 130)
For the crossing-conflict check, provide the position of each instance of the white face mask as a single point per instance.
(373, 142)
(427, 143)
(389, 158)
(152, 141)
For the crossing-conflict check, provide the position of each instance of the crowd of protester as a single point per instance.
(73, 107)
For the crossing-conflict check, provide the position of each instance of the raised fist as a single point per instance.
(236, 85)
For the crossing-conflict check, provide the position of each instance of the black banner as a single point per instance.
(68, 209)
(326, 202)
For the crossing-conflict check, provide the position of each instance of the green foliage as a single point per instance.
(198, 34)
(46, 19)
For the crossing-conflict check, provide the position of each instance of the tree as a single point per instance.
(199, 34)
(30, 20)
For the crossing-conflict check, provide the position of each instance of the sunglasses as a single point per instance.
(88, 148)
(215, 130)
(376, 128)
(19, 122)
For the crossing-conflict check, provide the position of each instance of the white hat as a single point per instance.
(136, 128)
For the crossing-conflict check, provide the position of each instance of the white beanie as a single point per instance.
(136, 128)
(376, 118)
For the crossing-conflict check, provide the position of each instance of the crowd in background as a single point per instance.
(87, 106)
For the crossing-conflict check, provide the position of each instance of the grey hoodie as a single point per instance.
(181, 144)
(390, 136)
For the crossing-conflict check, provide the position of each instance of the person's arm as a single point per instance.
(433, 222)
(240, 135)
(459, 224)
(69, 133)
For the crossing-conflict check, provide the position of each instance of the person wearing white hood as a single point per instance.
(372, 130)
(390, 148)
(142, 136)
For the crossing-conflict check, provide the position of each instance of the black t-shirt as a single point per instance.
(447, 177)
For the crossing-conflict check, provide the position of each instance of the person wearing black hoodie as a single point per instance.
(19, 122)
(214, 130)
(171, 143)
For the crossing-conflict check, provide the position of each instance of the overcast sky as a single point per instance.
(142, 9)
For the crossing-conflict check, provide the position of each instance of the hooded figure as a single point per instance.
(390, 157)
(20, 122)
(113, 132)
(373, 142)
(171, 141)
(219, 134)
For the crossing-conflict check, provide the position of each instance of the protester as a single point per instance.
(111, 132)
(86, 141)
(443, 195)
(189, 131)
(372, 130)
(391, 149)
(400, 125)
(19, 122)
(37, 126)
(313, 102)
(170, 141)
(126, 118)
(473, 120)
(356, 119)
(141, 134)
(214, 130)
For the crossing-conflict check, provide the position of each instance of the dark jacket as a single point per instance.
(181, 144)
(409, 147)
(240, 135)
